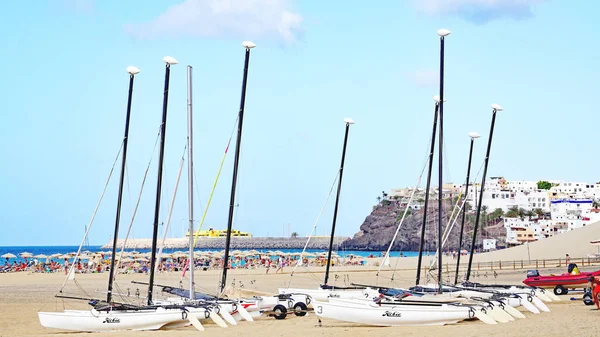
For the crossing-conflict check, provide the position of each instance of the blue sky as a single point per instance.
(65, 91)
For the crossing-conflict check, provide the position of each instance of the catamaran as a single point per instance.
(109, 315)
(398, 313)
(232, 310)
(427, 309)
(326, 291)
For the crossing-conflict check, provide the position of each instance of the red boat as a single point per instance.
(561, 283)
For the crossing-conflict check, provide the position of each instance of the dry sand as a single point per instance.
(22, 295)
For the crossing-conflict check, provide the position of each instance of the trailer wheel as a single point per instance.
(280, 311)
(560, 290)
(587, 299)
(300, 309)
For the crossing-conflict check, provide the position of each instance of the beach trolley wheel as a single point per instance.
(587, 298)
(560, 290)
(300, 309)
(280, 311)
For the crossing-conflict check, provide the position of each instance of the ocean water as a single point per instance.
(49, 250)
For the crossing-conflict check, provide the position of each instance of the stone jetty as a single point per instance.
(236, 243)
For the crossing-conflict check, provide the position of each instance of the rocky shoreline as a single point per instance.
(236, 243)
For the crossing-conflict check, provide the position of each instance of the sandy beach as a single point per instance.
(23, 294)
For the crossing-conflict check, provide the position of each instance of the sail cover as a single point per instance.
(186, 293)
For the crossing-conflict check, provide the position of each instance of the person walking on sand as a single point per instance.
(279, 264)
(268, 264)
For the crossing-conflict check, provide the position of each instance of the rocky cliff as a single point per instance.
(378, 229)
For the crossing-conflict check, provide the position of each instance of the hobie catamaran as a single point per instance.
(326, 291)
(109, 315)
(232, 309)
(434, 305)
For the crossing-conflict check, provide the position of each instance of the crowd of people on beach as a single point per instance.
(139, 263)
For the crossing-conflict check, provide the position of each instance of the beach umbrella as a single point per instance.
(8, 256)
(41, 256)
(55, 255)
(179, 254)
(26, 254)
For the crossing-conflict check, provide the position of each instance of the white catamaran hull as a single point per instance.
(391, 315)
(325, 294)
(489, 314)
(527, 298)
(520, 298)
(116, 320)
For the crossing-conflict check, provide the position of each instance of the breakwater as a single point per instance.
(236, 243)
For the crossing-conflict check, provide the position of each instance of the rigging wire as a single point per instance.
(128, 189)
(136, 208)
(197, 190)
(212, 192)
(425, 162)
(89, 226)
(170, 211)
(387, 254)
(432, 267)
(301, 259)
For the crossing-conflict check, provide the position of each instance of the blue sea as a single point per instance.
(49, 250)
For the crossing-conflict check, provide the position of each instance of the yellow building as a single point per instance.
(219, 233)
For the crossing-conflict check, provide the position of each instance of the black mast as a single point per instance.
(132, 72)
(248, 45)
(348, 121)
(495, 108)
(163, 128)
(431, 151)
(442, 33)
(473, 135)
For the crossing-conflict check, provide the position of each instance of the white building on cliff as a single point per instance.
(569, 204)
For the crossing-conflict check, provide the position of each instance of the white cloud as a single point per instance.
(479, 11)
(242, 19)
(424, 78)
